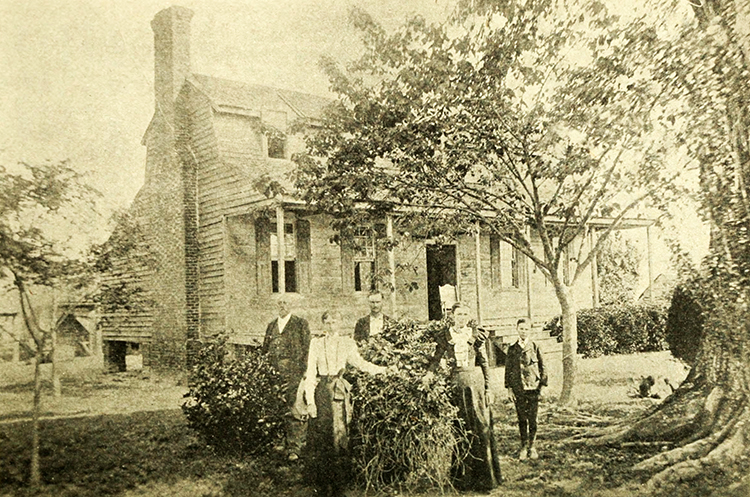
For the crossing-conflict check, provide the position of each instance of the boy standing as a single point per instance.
(524, 378)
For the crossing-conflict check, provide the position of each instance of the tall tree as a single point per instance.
(709, 415)
(39, 208)
(529, 119)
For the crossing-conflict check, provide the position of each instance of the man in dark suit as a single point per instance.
(524, 378)
(375, 322)
(287, 343)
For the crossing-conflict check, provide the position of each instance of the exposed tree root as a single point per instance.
(693, 450)
(672, 420)
(725, 453)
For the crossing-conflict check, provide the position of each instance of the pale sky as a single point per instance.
(77, 75)
(77, 78)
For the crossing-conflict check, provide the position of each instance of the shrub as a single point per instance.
(684, 328)
(617, 329)
(405, 434)
(235, 404)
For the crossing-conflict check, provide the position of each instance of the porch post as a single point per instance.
(281, 251)
(391, 261)
(527, 268)
(649, 294)
(477, 239)
(594, 272)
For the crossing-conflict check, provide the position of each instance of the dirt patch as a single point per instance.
(86, 390)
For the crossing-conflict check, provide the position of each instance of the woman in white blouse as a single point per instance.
(328, 397)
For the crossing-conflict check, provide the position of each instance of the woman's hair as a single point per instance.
(456, 306)
(328, 314)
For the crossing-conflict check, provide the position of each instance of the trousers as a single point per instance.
(527, 406)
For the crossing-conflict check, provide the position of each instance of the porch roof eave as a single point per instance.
(293, 203)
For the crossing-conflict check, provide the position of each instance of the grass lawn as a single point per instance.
(153, 453)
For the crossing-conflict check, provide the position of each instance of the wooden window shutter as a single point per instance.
(382, 268)
(263, 254)
(304, 255)
(495, 262)
(347, 263)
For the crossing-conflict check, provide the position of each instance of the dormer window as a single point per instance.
(277, 146)
(274, 126)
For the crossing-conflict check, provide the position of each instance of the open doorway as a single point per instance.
(441, 270)
(121, 356)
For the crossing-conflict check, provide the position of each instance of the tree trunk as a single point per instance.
(709, 414)
(55, 375)
(570, 342)
(36, 474)
(56, 386)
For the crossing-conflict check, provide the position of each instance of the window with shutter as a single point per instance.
(289, 259)
(364, 259)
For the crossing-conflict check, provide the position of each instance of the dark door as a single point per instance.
(441, 270)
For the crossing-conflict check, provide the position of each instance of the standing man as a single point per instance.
(287, 343)
(375, 322)
(524, 378)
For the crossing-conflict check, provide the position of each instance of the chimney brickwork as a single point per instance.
(171, 28)
(169, 192)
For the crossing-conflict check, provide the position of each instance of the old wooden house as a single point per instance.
(225, 251)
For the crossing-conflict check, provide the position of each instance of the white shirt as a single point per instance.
(329, 355)
(462, 341)
(281, 323)
(376, 325)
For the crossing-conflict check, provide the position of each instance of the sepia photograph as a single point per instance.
(354, 248)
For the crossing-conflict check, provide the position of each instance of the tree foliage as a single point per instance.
(617, 268)
(39, 206)
(709, 414)
(530, 118)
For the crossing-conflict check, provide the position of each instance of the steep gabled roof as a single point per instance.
(241, 98)
(234, 96)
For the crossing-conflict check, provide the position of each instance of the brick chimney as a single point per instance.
(171, 29)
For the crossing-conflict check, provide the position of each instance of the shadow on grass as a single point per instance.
(155, 453)
(115, 454)
(103, 455)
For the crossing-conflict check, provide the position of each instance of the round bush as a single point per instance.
(235, 404)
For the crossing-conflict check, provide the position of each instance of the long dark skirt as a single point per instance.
(328, 463)
(480, 467)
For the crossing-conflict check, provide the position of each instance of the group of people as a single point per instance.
(319, 396)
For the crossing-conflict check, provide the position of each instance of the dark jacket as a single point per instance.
(524, 368)
(477, 351)
(362, 328)
(288, 351)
